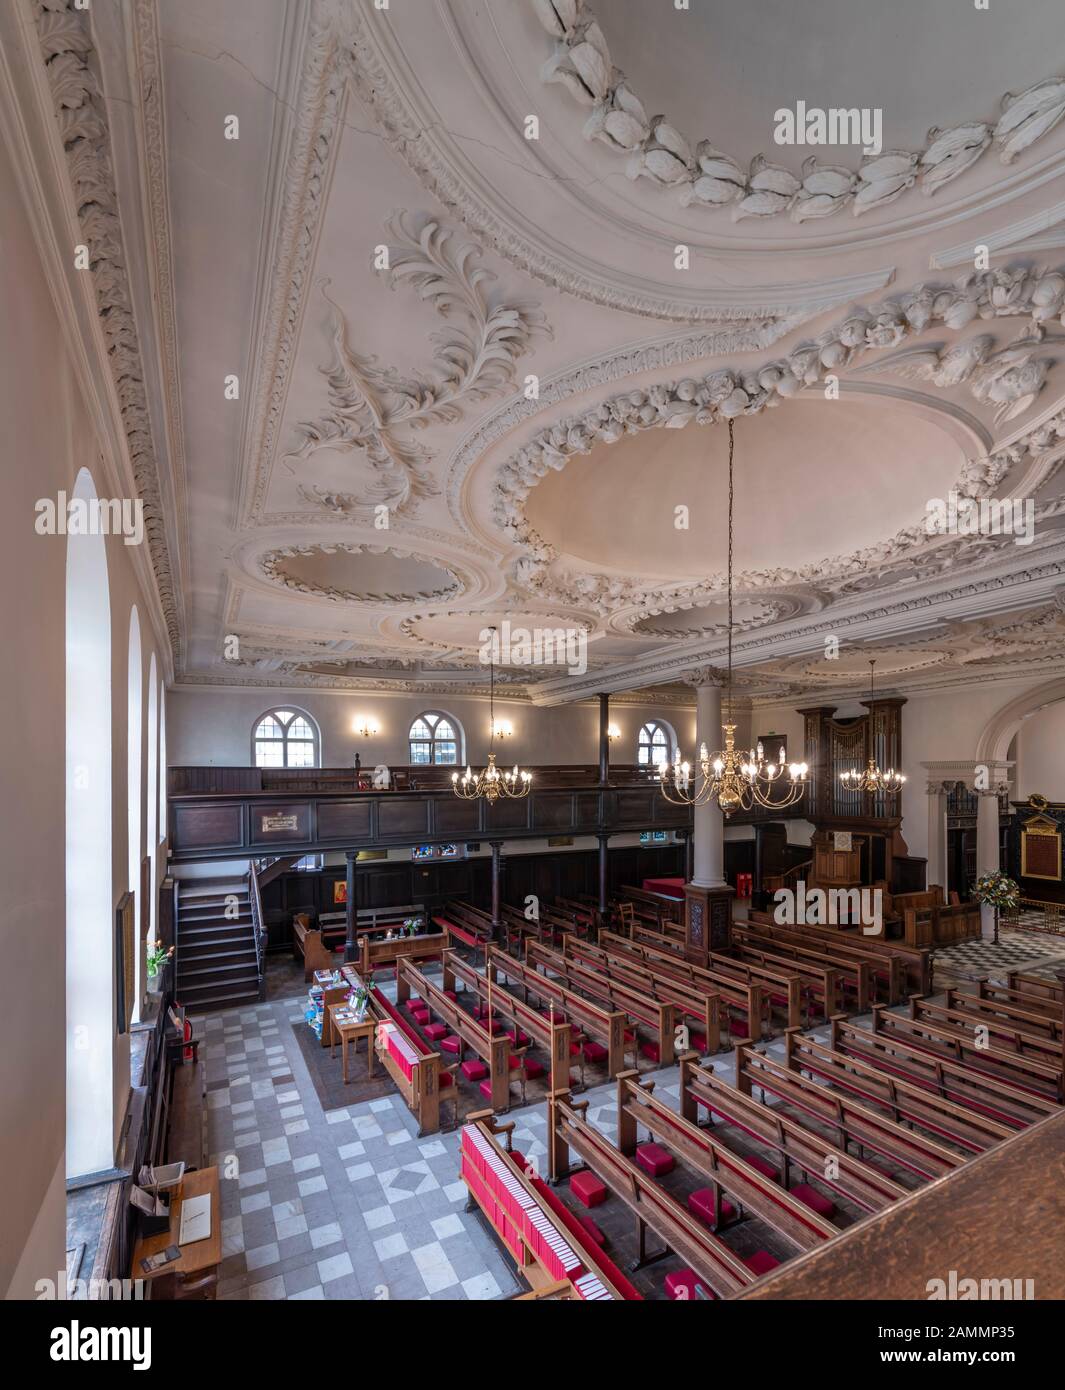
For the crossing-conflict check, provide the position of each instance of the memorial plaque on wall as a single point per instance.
(1041, 850)
(284, 823)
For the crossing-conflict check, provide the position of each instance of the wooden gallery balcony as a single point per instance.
(242, 812)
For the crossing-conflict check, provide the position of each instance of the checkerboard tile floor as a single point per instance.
(1015, 951)
(350, 1203)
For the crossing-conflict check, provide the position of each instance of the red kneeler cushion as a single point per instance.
(587, 1189)
(435, 1031)
(650, 1050)
(680, 1286)
(737, 1027)
(451, 1044)
(698, 1042)
(533, 1068)
(446, 1079)
(413, 1003)
(654, 1159)
(595, 1052)
(485, 1089)
(701, 1204)
(811, 1198)
(761, 1262)
(473, 1069)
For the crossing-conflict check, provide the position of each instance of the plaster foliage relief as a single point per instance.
(703, 175)
(372, 405)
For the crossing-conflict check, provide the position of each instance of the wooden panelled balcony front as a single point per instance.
(231, 814)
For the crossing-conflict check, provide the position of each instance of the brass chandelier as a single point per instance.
(491, 782)
(738, 781)
(872, 780)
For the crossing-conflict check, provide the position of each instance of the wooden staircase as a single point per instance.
(216, 957)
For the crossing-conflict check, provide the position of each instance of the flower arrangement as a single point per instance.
(996, 890)
(156, 957)
(411, 925)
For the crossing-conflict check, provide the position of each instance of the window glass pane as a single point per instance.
(419, 752)
(419, 729)
(268, 728)
(299, 728)
(283, 714)
(643, 754)
(659, 738)
(444, 729)
(446, 753)
(300, 754)
(269, 754)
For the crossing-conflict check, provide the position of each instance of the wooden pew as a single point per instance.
(857, 974)
(909, 1102)
(691, 999)
(822, 984)
(553, 1252)
(382, 955)
(787, 1142)
(895, 1056)
(1039, 1017)
(1046, 1006)
(747, 996)
(854, 1122)
(663, 908)
(1022, 1072)
(552, 1038)
(1007, 1034)
(417, 1071)
(657, 1015)
(1036, 985)
(458, 934)
(941, 926)
(652, 1208)
(606, 1027)
(493, 1050)
(727, 1173)
(914, 962)
(307, 943)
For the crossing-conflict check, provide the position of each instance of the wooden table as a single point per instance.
(201, 1255)
(351, 1031)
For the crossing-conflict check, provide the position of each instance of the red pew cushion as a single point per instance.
(446, 1079)
(533, 1068)
(764, 1167)
(587, 1189)
(811, 1198)
(450, 1044)
(654, 1159)
(698, 1042)
(701, 1204)
(737, 1027)
(485, 1089)
(517, 1036)
(651, 1050)
(595, 1052)
(435, 1031)
(473, 1069)
(593, 1230)
(761, 1262)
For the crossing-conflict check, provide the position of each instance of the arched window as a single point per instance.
(434, 738)
(654, 746)
(133, 795)
(285, 738)
(151, 790)
(90, 933)
(162, 763)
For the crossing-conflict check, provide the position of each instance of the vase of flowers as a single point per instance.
(411, 925)
(360, 1000)
(997, 891)
(155, 958)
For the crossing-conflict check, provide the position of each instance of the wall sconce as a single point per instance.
(365, 727)
(502, 728)
(613, 732)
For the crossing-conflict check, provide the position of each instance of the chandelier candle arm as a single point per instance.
(491, 782)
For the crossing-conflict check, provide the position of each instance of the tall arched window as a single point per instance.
(162, 763)
(134, 683)
(285, 738)
(654, 746)
(434, 738)
(90, 948)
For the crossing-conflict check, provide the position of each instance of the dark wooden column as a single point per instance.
(603, 865)
(497, 854)
(689, 847)
(604, 740)
(756, 884)
(351, 908)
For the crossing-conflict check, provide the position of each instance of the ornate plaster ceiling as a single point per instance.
(475, 381)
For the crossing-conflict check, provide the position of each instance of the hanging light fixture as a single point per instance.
(738, 781)
(491, 782)
(872, 780)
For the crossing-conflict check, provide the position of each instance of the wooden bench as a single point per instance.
(416, 1069)
(187, 1133)
(845, 972)
(895, 1056)
(603, 1026)
(900, 968)
(457, 934)
(492, 1050)
(553, 1038)
(1022, 1072)
(965, 1020)
(382, 955)
(786, 1142)
(640, 1008)
(554, 1254)
(307, 943)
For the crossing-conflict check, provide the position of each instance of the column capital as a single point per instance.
(704, 676)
